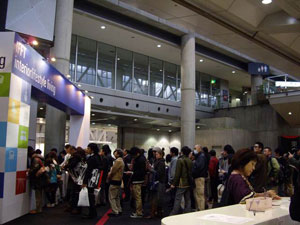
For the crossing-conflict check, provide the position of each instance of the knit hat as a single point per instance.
(157, 149)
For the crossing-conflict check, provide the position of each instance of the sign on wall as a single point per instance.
(258, 69)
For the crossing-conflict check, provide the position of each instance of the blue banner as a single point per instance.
(258, 69)
(32, 67)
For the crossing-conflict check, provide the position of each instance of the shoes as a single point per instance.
(135, 216)
(120, 213)
(112, 215)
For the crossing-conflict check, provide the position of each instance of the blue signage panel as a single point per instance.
(32, 67)
(258, 69)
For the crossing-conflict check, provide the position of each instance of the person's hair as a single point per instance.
(142, 151)
(52, 155)
(205, 149)
(212, 152)
(30, 151)
(119, 151)
(168, 158)
(229, 149)
(261, 145)
(80, 153)
(38, 151)
(279, 151)
(135, 151)
(67, 146)
(150, 154)
(269, 149)
(63, 152)
(186, 150)
(54, 150)
(73, 148)
(242, 157)
(106, 149)
(94, 148)
(174, 150)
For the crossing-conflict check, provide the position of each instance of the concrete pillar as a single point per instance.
(188, 90)
(56, 119)
(256, 81)
(80, 126)
(32, 123)
(55, 131)
(63, 35)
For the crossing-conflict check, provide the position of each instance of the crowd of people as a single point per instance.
(186, 180)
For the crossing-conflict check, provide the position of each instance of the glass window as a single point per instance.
(156, 78)
(197, 88)
(205, 90)
(73, 57)
(140, 82)
(215, 92)
(106, 66)
(170, 81)
(178, 83)
(124, 69)
(86, 61)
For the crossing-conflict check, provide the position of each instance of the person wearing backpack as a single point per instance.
(183, 181)
(199, 172)
(273, 170)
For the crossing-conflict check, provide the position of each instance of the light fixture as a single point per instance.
(237, 99)
(79, 85)
(118, 59)
(233, 71)
(158, 45)
(103, 27)
(170, 131)
(158, 129)
(41, 108)
(109, 125)
(53, 59)
(86, 91)
(92, 97)
(201, 60)
(170, 124)
(68, 76)
(135, 120)
(266, 2)
(93, 123)
(290, 113)
(198, 127)
(93, 114)
(160, 70)
(35, 43)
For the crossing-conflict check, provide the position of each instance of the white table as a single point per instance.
(278, 215)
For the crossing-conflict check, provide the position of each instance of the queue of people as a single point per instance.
(186, 180)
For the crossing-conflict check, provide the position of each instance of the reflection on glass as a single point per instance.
(170, 81)
(197, 89)
(106, 66)
(72, 57)
(140, 82)
(156, 78)
(124, 70)
(205, 90)
(215, 92)
(178, 83)
(86, 61)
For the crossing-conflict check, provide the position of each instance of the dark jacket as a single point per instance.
(259, 176)
(160, 169)
(200, 166)
(93, 162)
(183, 171)
(37, 182)
(139, 170)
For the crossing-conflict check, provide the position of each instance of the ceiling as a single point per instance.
(88, 26)
(266, 33)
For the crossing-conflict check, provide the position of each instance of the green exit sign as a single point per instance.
(213, 81)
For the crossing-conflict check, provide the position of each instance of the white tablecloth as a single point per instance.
(278, 215)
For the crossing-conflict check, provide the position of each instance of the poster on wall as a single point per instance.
(225, 95)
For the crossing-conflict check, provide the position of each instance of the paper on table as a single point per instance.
(225, 218)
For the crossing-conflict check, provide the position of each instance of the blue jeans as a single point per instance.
(182, 192)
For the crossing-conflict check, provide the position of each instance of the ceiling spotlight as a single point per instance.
(135, 120)
(92, 97)
(109, 125)
(233, 71)
(41, 108)
(290, 113)
(86, 91)
(35, 42)
(158, 129)
(93, 123)
(198, 127)
(160, 70)
(201, 60)
(53, 59)
(93, 114)
(170, 131)
(118, 59)
(79, 85)
(68, 76)
(266, 2)
(158, 46)
(170, 124)
(103, 27)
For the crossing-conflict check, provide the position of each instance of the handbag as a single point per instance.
(83, 198)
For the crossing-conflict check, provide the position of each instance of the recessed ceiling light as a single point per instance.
(160, 70)
(170, 131)
(93, 123)
(233, 71)
(41, 108)
(68, 76)
(93, 114)
(103, 27)
(201, 60)
(266, 2)
(198, 127)
(79, 85)
(158, 45)
(158, 129)
(35, 42)
(86, 91)
(118, 58)
(109, 125)
(135, 120)
(53, 59)
(170, 124)
(290, 113)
